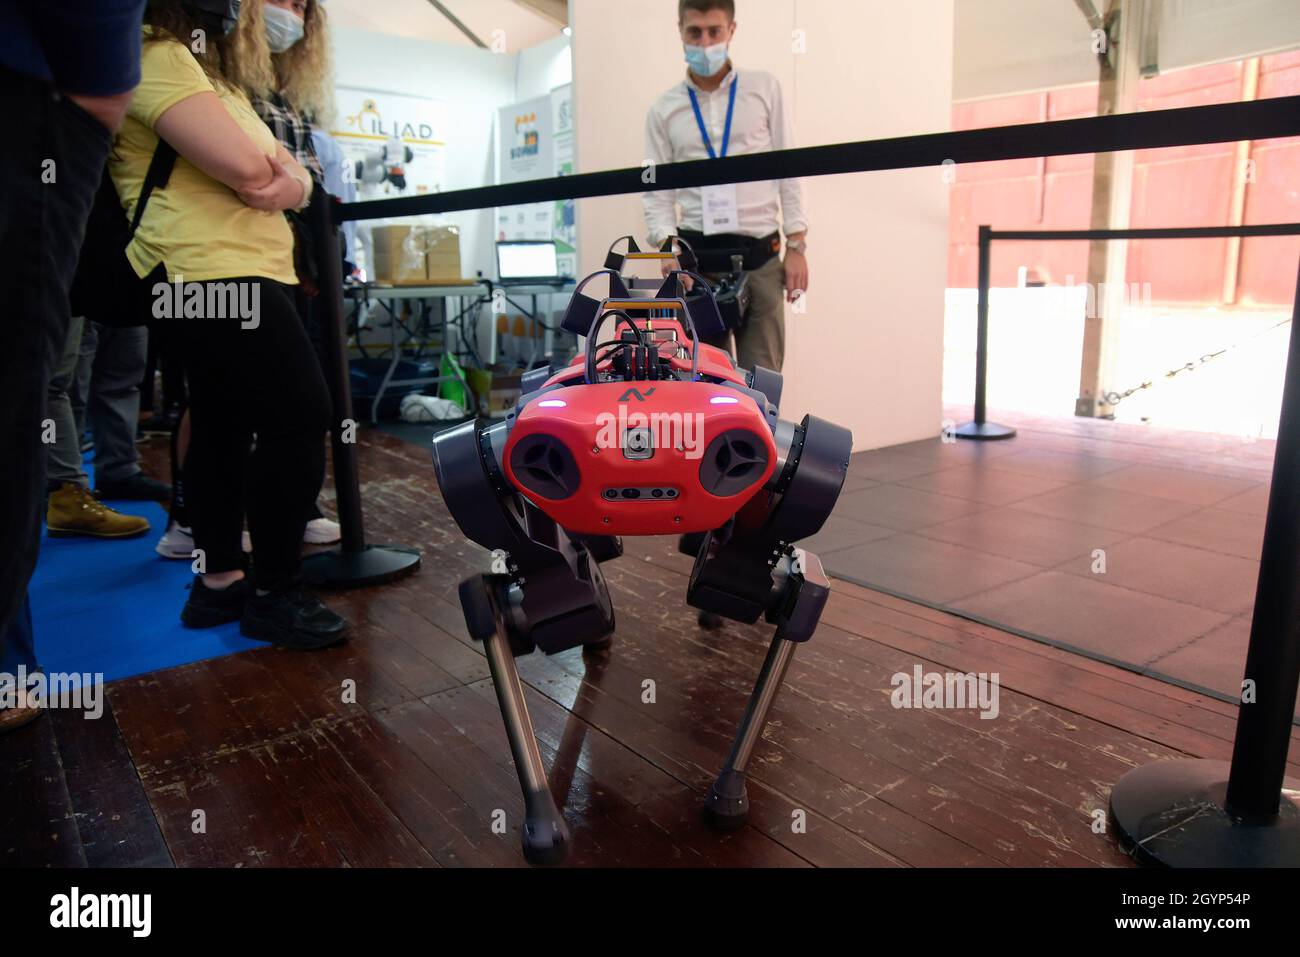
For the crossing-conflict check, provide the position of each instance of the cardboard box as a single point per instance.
(393, 262)
(443, 244)
(408, 255)
(495, 390)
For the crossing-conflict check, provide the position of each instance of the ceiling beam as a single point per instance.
(457, 24)
(557, 11)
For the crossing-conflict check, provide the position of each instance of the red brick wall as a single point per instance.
(1189, 186)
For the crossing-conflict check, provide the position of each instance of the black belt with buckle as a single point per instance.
(715, 252)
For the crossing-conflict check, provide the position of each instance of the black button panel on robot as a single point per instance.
(645, 493)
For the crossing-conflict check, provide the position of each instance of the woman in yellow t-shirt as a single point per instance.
(216, 240)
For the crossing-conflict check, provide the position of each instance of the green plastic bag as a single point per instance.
(453, 387)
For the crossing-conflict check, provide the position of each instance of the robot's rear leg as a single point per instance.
(545, 835)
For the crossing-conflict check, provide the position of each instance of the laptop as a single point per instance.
(526, 262)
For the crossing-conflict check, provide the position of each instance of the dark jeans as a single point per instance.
(50, 165)
(259, 411)
(18, 647)
(113, 398)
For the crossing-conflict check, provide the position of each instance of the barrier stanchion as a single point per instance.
(352, 563)
(980, 429)
(1247, 813)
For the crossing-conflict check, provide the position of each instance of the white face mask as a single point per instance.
(706, 61)
(283, 29)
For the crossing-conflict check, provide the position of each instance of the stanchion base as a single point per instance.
(373, 565)
(1171, 814)
(983, 431)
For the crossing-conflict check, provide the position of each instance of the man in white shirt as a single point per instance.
(720, 111)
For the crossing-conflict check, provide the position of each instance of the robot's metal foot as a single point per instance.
(710, 621)
(727, 806)
(545, 835)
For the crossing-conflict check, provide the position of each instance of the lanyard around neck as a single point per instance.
(699, 119)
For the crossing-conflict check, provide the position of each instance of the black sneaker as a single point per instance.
(209, 607)
(138, 487)
(160, 423)
(292, 618)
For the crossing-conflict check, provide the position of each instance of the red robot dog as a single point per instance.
(651, 432)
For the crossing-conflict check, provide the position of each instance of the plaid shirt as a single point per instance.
(292, 129)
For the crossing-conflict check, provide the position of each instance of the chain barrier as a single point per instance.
(1115, 398)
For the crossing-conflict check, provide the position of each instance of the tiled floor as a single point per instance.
(1131, 544)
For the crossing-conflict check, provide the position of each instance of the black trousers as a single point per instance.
(173, 374)
(259, 411)
(50, 166)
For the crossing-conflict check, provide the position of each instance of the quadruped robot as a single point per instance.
(651, 432)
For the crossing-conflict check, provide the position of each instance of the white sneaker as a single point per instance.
(321, 531)
(178, 542)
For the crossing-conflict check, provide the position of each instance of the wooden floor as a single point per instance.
(258, 759)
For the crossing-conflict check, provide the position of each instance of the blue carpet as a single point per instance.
(113, 606)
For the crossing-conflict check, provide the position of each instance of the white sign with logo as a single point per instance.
(525, 150)
(368, 126)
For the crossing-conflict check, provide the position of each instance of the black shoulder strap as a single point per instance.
(160, 170)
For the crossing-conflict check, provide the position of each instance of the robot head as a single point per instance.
(699, 308)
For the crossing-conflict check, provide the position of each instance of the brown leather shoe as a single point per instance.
(74, 511)
(11, 719)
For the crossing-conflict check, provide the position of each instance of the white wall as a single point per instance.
(474, 83)
(541, 68)
(868, 352)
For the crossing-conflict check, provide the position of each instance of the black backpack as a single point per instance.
(105, 288)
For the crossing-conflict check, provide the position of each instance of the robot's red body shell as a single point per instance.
(591, 424)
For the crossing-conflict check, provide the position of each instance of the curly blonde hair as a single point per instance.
(303, 75)
(246, 59)
(240, 60)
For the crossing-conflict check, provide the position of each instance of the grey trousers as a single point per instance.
(63, 456)
(761, 340)
(115, 359)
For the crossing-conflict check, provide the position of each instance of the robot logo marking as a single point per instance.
(636, 392)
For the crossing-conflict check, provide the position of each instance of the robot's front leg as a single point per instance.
(545, 835)
(545, 591)
(797, 607)
(750, 568)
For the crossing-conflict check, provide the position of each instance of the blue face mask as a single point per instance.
(283, 29)
(706, 61)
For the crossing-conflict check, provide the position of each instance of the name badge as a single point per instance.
(719, 209)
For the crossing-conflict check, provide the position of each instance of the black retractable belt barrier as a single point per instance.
(1151, 129)
(353, 563)
(980, 428)
(1247, 813)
